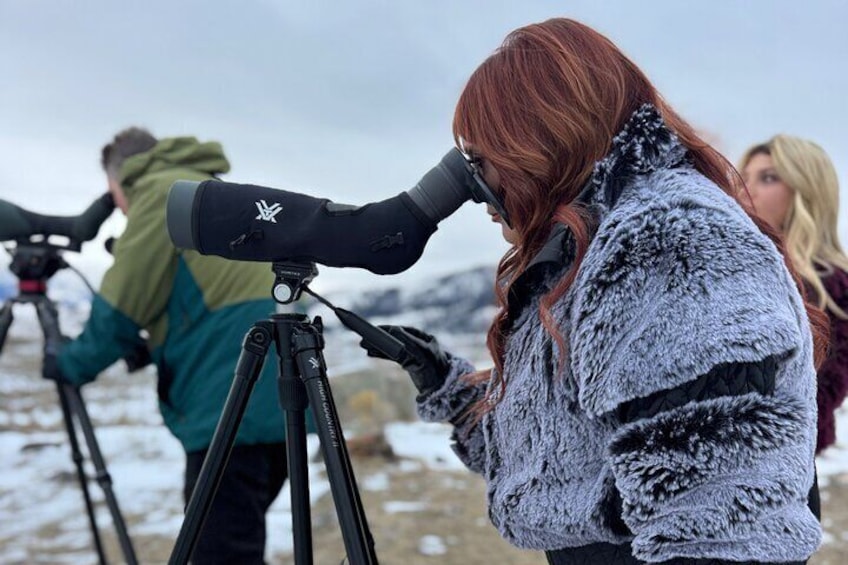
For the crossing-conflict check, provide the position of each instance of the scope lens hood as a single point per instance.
(180, 214)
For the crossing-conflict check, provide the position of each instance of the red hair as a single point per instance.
(543, 109)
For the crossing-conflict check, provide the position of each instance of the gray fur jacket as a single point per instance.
(676, 281)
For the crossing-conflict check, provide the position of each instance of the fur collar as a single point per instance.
(644, 145)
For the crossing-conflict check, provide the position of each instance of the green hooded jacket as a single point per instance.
(195, 309)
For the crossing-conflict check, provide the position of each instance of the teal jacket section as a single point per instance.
(195, 310)
(197, 363)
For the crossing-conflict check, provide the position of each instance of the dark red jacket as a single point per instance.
(833, 374)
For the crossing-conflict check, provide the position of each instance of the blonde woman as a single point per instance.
(793, 186)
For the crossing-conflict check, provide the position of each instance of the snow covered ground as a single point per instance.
(38, 489)
(38, 486)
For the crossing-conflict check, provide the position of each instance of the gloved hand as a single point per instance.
(50, 368)
(425, 361)
(138, 358)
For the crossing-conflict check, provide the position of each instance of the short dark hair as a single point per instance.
(126, 143)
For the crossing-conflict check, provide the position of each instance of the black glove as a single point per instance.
(50, 369)
(138, 358)
(425, 361)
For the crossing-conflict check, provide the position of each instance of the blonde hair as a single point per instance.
(810, 226)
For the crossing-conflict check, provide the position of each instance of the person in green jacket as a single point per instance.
(195, 311)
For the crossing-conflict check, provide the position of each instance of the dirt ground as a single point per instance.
(455, 513)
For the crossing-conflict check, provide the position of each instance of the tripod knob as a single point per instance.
(282, 293)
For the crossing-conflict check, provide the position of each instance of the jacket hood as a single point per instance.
(182, 152)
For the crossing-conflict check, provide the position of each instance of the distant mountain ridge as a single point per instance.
(461, 302)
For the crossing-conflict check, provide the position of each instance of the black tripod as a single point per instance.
(302, 380)
(34, 264)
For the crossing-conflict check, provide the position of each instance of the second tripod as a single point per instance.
(34, 264)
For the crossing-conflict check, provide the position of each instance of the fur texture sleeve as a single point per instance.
(449, 404)
(672, 287)
(676, 449)
(718, 478)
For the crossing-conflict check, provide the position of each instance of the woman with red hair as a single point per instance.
(653, 397)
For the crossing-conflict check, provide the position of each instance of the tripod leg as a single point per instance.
(254, 349)
(76, 456)
(308, 346)
(48, 318)
(294, 401)
(6, 318)
(77, 406)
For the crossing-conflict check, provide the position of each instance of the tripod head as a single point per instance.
(34, 264)
(290, 281)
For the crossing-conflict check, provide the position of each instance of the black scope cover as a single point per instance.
(254, 223)
(18, 223)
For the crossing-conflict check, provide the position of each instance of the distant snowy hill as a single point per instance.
(458, 303)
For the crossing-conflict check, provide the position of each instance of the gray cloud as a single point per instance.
(353, 100)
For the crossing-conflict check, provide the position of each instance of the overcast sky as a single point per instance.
(353, 101)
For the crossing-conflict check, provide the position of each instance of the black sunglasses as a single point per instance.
(481, 192)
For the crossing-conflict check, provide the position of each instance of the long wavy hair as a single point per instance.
(810, 226)
(543, 109)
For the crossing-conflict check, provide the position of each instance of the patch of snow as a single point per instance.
(432, 545)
